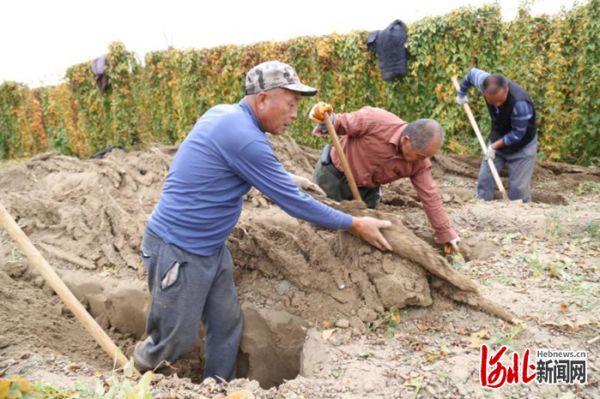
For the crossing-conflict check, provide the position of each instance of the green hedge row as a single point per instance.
(556, 58)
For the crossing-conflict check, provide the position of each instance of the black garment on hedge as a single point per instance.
(388, 44)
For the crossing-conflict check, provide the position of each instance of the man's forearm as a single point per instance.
(496, 145)
(431, 198)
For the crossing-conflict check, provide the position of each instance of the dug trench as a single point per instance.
(87, 218)
(283, 295)
(271, 345)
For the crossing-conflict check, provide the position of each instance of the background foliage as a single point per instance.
(556, 58)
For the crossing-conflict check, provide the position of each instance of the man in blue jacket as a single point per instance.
(513, 139)
(190, 270)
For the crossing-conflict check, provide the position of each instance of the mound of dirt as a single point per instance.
(90, 214)
(87, 218)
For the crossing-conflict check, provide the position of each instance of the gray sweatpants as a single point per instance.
(520, 169)
(187, 290)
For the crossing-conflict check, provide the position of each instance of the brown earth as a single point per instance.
(315, 301)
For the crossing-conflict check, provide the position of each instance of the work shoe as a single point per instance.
(138, 363)
(164, 367)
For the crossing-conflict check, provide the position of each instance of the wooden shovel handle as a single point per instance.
(490, 162)
(42, 266)
(345, 164)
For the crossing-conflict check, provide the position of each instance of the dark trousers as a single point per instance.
(335, 185)
(188, 290)
(520, 169)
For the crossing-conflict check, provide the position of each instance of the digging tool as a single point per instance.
(42, 266)
(482, 143)
(345, 164)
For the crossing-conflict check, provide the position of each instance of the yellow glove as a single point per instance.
(318, 111)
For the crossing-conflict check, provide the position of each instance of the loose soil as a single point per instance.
(326, 314)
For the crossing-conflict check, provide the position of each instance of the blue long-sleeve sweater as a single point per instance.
(224, 155)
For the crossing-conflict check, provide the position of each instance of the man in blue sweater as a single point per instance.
(190, 270)
(513, 139)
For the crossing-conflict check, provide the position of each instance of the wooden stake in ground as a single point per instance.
(490, 162)
(42, 266)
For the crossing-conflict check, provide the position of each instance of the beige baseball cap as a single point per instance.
(273, 74)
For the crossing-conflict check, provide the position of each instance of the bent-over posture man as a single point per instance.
(380, 148)
(513, 139)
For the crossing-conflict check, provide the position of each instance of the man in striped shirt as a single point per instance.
(513, 138)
